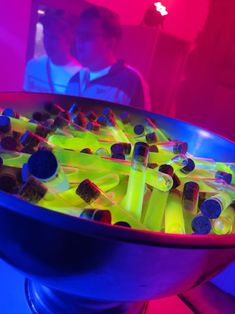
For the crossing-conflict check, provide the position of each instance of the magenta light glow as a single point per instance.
(161, 8)
(41, 12)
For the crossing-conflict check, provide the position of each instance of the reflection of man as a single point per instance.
(105, 78)
(52, 72)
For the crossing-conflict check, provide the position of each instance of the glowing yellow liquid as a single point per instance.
(203, 186)
(133, 199)
(59, 183)
(117, 193)
(14, 159)
(73, 143)
(225, 223)
(159, 180)
(69, 196)
(22, 126)
(227, 167)
(224, 198)
(178, 162)
(160, 134)
(92, 162)
(118, 135)
(118, 212)
(75, 176)
(174, 220)
(160, 158)
(155, 211)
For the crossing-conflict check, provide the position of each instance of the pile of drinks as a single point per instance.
(104, 167)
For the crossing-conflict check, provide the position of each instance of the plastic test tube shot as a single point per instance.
(75, 159)
(227, 167)
(211, 164)
(178, 162)
(32, 141)
(44, 166)
(95, 197)
(225, 222)
(201, 224)
(79, 143)
(149, 138)
(174, 220)
(22, 126)
(154, 214)
(5, 126)
(213, 206)
(168, 170)
(108, 112)
(69, 197)
(9, 112)
(37, 193)
(139, 130)
(159, 157)
(133, 199)
(190, 198)
(176, 147)
(212, 173)
(79, 131)
(125, 119)
(187, 169)
(9, 178)
(111, 126)
(73, 111)
(13, 159)
(152, 127)
(76, 175)
(74, 143)
(204, 163)
(201, 181)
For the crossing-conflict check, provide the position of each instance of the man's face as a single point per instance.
(92, 46)
(56, 45)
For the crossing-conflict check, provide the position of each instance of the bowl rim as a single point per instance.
(86, 227)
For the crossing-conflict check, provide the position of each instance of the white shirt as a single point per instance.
(97, 74)
(86, 76)
(37, 76)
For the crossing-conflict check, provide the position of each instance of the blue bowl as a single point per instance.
(64, 256)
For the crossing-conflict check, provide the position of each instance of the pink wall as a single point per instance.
(207, 95)
(14, 27)
(184, 20)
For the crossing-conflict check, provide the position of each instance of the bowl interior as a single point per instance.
(104, 262)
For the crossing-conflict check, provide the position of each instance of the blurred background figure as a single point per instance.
(51, 72)
(104, 76)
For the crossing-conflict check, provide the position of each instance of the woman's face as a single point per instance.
(92, 46)
(57, 46)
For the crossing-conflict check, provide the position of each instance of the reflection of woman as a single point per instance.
(52, 72)
(39, 47)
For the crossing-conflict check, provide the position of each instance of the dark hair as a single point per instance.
(56, 19)
(109, 20)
